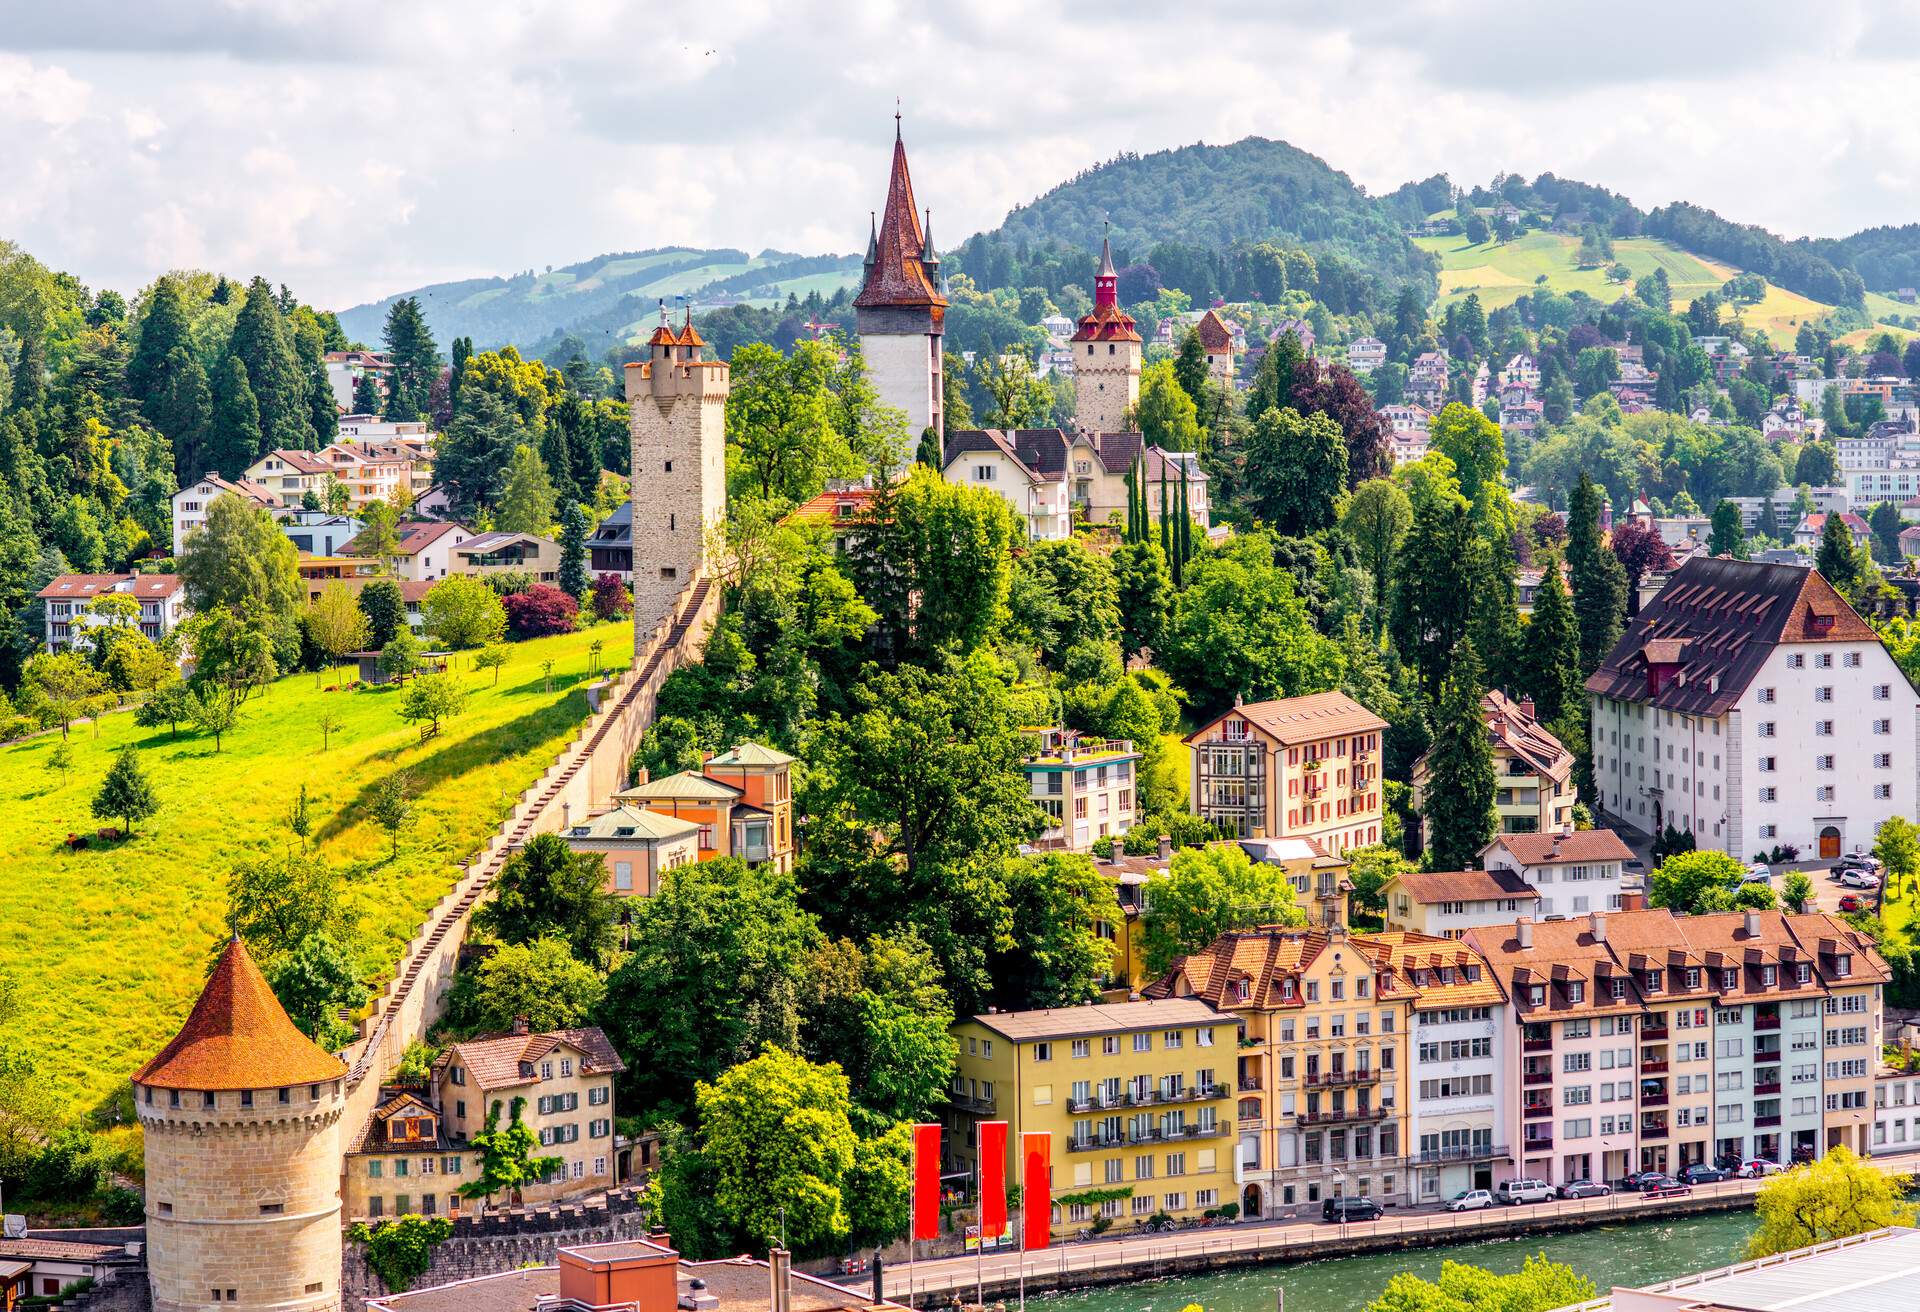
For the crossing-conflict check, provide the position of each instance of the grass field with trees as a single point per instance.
(113, 941)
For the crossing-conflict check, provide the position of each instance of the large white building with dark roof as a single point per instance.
(1749, 705)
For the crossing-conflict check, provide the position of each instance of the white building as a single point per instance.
(1459, 1094)
(69, 602)
(1366, 354)
(1750, 705)
(344, 369)
(425, 554)
(1448, 903)
(318, 532)
(1896, 1111)
(191, 503)
(989, 458)
(1574, 873)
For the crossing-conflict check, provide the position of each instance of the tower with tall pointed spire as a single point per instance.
(1106, 356)
(241, 1114)
(900, 312)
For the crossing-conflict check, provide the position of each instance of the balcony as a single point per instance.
(1538, 1144)
(968, 1102)
(1097, 1141)
(1653, 1100)
(1771, 1086)
(1345, 1116)
(1766, 1122)
(1652, 1067)
(1653, 1132)
(1653, 1031)
(1249, 1084)
(1764, 1021)
(1342, 1078)
(1479, 1152)
(1537, 1077)
(1537, 1110)
(1536, 1045)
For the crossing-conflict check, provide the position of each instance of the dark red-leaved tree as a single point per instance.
(541, 610)
(610, 597)
(1641, 551)
(1338, 395)
(1550, 530)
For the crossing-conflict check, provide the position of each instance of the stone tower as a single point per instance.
(1106, 357)
(900, 311)
(678, 410)
(242, 1119)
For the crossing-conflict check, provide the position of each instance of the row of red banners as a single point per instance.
(1036, 1183)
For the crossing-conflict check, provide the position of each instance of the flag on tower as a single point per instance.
(926, 1181)
(993, 1179)
(1036, 1187)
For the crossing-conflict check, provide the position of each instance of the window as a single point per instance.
(1824, 693)
(1769, 794)
(1766, 764)
(1766, 696)
(1883, 760)
(1043, 1052)
(1823, 728)
(1824, 762)
(1143, 1042)
(1882, 691)
(1883, 791)
(1796, 662)
(1883, 727)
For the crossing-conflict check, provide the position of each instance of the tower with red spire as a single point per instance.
(1106, 356)
(900, 312)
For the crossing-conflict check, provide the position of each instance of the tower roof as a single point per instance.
(1107, 322)
(238, 1037)
(897, 273)
(1106, 260)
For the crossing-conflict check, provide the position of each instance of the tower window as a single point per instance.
(669, 572)
(286, 1096)
(673, 522)
(246, 1097)
(669, 466)
(208, 1100)
(173, 1097)
(272, 1209)
(316, 1287)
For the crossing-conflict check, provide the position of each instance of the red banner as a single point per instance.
(993, 1178)
(1036, 1188)
(926, 1182)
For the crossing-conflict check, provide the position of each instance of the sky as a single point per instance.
(353, 149)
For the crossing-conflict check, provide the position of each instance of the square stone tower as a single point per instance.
(1106, 357)
(678, 411)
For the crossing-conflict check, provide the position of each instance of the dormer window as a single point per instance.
(1243, 989)
(1652, 978)
(1843, 965)
(1769, 976)
(1619, 987)
(1693, 977)
(1729, 980)
(1536, 995)
(1803, 973)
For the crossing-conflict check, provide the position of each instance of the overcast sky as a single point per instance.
(354, 149)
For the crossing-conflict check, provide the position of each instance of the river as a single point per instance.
(1629, 1254)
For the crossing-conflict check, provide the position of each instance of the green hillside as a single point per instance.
(111, 943)
(603, 301)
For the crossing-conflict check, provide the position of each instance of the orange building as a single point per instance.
(1304, 767)
(742, 800)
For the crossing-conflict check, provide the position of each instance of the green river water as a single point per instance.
(1628, 1254)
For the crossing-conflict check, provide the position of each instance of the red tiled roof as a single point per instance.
(238, 1037)
(415, 537)
(897, 276)
(496, 1061)
(1214, 333)
(1465, 885)
(71, 586)
(1305, 719)
(1107, 323)
(1580, 845)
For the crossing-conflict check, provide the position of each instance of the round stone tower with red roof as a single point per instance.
(1106, 357)
(242, 1119)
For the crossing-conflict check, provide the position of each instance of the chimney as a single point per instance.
(1166, 847)
(780, 1271)
(1526, 707)
(1117, 850)
(879, 1280)
(1752, 924)
(520, 1025)
(1597, 926)
(1635, 901)
(1523, 931)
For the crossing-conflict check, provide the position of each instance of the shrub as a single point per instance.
(540, 611)
(611, 599)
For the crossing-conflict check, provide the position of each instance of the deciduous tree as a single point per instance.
(461, 611)
(1296, 470)
(1831, 1198)
(1695, 882)
(335, 623)
(527, 498)
(431, 698)
(1207, 891)
(546, 888)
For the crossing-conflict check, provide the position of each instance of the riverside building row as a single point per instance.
(1279, 1067)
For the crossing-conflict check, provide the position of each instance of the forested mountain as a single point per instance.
(1886, 259)
(600, 299)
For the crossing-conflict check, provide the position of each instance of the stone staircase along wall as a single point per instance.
(584, 775)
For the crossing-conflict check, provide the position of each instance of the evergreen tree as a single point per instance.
(1432, 606)
(125, 794)
(1599, 579)
(1837, 560)
(183, 410)
(1273, 382)
(323, 413)
(366, 394)
(929, 452)
(1145, 595)
(1726, 537)
(235, 433)
(262, 343)
(164, 329)
(1496, 613)
(1184, 530)
(462, 352)
(1190, 370)
(574, 527)
(527, 500)
(415, 359)
(1166, 521)
(1459, 812)
(1551, 650)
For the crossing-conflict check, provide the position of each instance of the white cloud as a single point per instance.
(358, 148)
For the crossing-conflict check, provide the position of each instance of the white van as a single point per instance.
(1524, 1191)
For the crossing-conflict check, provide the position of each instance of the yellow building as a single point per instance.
(1137, 1097)
(1324, 1100)
(1303, 767)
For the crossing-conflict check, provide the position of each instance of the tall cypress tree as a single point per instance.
(1166, 519)
(263, 344)
(1185, 528)
(1599, 579)
(416, 360)
(1459, 812)
(1551, 650)
(236, 420)
(462, 352)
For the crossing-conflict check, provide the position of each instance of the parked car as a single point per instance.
(1858, 861)
(1638, 1178)
(1852, 878)
(1849, 903)
(1584, 1189)
(1671, 1189)
(1757, 873)
(1650, 1181)
(1350, 1209)
(1701, 1173)
(1759, 1168)
(1469, 1200)
(1524, 1191)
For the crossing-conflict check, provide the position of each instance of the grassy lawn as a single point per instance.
(109, 945)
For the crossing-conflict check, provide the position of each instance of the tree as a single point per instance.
(1641, 551)
(240, 561)
(1886, 524)
(214, 712)
(1296, 470)
(126, 792)
(401, 656)
(574, 527)
(1796, 891)
(1818, 465)
(1145, 589)
(416, 360)
(1831, 1198)
(1539, 1286)
(1191, 371)
(1599, 583)
(431, 698)
(1165, 414)
(1837, 560)
(1727, 536)
(542, 981)
(314, 982)
(1695, 882)
(461, 611)
(491, 657)
(1897, 844)
(262, 343)
(611, 599)
(782, 443)
(1433, 610)
(1459, 814)
(540, 611)
(60, 761)
(1376, 519)
(527, 498)
(508, 1159)
(1550, 648)
(879, 1011)
(335, 623)
(934, 560)
(391, 807)
(385, 607)
(1473, 442)
(709, 921)
(62, 681)
(1240, 628)
(401, 1250)
(1370, 868)
(1058, 903)
(1207, 891)
(366, 394)
(546, 888)
(277, 902)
